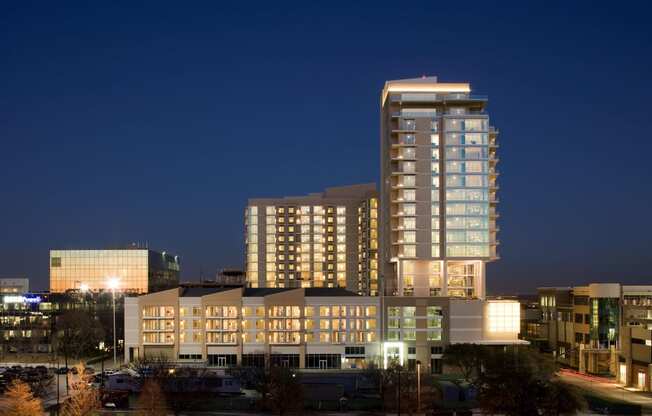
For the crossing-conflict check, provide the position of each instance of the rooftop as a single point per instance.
(195, 291)
(423, 84)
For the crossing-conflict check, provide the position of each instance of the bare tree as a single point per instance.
(84, 398)
(467, 359)
(284, 392)
(77, 334)
(18, 400)
(151, 401)
(156, 366)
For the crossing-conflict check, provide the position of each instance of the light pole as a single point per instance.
(113, 285)
(418, 386)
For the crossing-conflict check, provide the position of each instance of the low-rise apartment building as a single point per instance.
(322, 328)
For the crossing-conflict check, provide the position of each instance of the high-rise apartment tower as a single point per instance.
(438, 191)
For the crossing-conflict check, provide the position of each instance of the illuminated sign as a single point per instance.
(22, 299)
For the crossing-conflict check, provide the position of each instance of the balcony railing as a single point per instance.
(430, 97)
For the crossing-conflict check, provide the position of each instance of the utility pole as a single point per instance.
(398, 391)
(418, 386)
(115, 341)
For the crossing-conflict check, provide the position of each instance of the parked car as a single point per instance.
(62, 370)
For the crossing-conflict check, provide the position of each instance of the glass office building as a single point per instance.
(136, 270)
(438, 189)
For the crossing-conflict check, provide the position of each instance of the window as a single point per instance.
(409, 335)
(190, 356)
(284, 360)
(323, 361)
(354, 351)
(55, 262)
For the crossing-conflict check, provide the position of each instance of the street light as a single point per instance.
(113, 284)
(418, 386)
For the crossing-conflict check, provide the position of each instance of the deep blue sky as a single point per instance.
(155, 123)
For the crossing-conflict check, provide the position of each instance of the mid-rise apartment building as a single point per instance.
(132, 269)
(328, 328)
(327, 239)
(602, 328)
(438, 189)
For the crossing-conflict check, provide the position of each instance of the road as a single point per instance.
(608, 388)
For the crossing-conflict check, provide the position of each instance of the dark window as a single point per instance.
(579, 337)
(253, 360)
(412, 364)
(587, 319)
(638, 341)
(412, 350)
(435, 366)
(190, 356)
(436, 350)
(578, 318)
(353, 350)
(587, 338)
(56, 262)
(284, 360)
(581, 300)
(323, 361)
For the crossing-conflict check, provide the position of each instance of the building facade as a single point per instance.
(14, 285)
(223, 327)
(136, 270)
(327, 239)
(326, 328)
(602, 328)
(635, 335)
(438, 189)
(28, 321)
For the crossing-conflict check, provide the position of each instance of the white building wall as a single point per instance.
(132, 324)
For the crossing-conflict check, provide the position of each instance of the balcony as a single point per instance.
(414, 98)
(405, 126)
(405, 140)
(404, 154)
(415, 114)
(464, 97)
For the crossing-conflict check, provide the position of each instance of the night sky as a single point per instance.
(155, 123)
